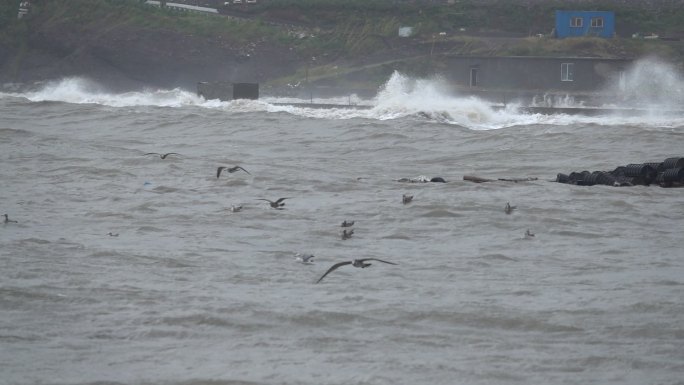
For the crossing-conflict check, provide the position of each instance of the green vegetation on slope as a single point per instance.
(363, 33)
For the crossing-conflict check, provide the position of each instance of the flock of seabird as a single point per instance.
(347, 231)
(279, 204)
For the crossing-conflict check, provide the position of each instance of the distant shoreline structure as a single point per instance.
(226, 91)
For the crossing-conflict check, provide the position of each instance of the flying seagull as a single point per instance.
(306, 259)
(347, 223)
(528, 234)
(235, 209)
(277, 204)
(509, 209)
(163, 156)
(356, 263)
(7, 220)
(230, 170)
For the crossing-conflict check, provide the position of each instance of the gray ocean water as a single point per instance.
(189, 292)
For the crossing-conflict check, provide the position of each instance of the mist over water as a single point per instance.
(131, 269)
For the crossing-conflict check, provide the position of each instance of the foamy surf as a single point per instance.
(401, 97)
(84, 91)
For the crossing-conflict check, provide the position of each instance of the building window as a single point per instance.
(567, 72)
(576, 22)
(597, 22)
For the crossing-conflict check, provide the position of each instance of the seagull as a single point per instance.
(112, 234)
(235, 209)
(163, 156)
(277, 204)
(306, 259)
(347, 223)
(7, 220)
(356, 263)
(346, 234)
(405, 199)
(230, 170)
(528, 234)
(509, 209)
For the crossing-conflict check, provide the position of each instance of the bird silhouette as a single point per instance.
(230, 170)
(405, 199)
(347, 223)
(277, 204)
(163, 156)
(346, 234)
(356, 263)
(509, 209)
(528, 234)
(306, 259)
(7, 220)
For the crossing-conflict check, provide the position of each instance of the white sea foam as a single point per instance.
(400, 97)
(83, 91)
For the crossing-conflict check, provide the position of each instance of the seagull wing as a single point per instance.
(240, 168)
(218, 171)
(170, 153)
(333, 267)
(280, 200)
(375, 259)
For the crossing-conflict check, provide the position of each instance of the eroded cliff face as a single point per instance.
(125, 57)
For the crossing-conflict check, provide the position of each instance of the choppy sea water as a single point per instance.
(189, 292)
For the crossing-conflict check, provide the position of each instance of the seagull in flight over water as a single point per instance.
(277, 204)
(347, 223)
(306, 259)
(230, 170)
(163, 156)
(356, 263)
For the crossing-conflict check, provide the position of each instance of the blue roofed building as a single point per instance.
(585, 23)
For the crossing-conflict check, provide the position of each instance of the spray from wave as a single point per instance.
(83, 91)
(401, 97)
(650, 84)
(421, 99)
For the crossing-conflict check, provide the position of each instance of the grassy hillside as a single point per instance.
(314, 39)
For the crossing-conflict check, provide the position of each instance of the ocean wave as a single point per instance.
(400, 97)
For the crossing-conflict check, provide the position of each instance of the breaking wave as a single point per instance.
(401, 97)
